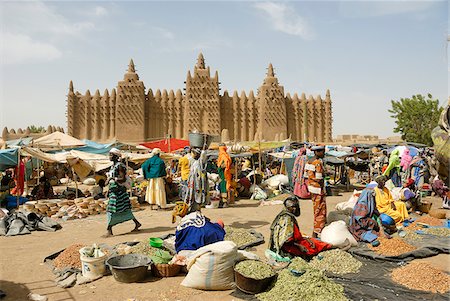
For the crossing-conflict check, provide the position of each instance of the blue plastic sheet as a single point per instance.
(8, 158)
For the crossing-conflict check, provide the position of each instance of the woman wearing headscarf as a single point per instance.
(198, 186)
(286, 238)
(224, 170)
(194, 230)
(119, 206)
(393, 169)
(299, 175)
(365, 224)
(154, 170)
(405, 160)
(386, 203)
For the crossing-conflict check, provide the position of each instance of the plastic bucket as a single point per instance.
(199, 139)
(92, 267)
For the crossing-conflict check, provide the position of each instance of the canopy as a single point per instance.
(8, 158)
(260, 146)
(96, 148)
(95, 161)
(140, 158)
(175, 144)
(57, 140)
(19, 142)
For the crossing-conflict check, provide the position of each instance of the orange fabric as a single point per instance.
(224, 161)
(312, 180)
(320, 212)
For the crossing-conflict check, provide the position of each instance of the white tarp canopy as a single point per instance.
(95, 161)
(57, 140)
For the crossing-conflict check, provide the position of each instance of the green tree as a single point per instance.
(416, 117)
(35, 129)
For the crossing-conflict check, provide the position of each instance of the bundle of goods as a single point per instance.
(47, 207)
(135, 203)
(242, 237)
(422, 276)
(69, 258)
(392, 247)
(336, 261)
(299, 282)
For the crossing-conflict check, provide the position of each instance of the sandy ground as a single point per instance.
(22, 269)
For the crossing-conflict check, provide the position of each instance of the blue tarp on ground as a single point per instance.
(8, 158)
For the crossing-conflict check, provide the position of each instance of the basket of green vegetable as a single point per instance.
(253, 276)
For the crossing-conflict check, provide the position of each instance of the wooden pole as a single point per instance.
(17, 176)
(76, 182)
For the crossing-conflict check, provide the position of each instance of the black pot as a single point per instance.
(130, 267)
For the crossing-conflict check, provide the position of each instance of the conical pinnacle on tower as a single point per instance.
(71, 86)
(131, 66)
(200, 61)
(270, 72)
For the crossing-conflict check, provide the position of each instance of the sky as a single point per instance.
(366, 52)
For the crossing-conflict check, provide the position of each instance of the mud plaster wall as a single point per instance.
(131, 114)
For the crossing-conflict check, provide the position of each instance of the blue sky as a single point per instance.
(366, 53)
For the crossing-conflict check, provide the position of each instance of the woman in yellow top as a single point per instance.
(386, 204)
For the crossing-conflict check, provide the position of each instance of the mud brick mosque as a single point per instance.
(130, 113)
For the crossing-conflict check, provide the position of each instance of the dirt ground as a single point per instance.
(22, 269)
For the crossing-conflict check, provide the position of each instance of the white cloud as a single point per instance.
(19, 48)
(165, 33)
(365, 9)
(38, 17)
(285, 19)
(100, 11)
(32, 31)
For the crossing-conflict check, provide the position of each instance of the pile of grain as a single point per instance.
(254, 269)
(70, 257)
(144, 248)
(336, 261)
(437, 231)
(240, 237)
(392, 247)
(313, 285)
(429, 220)
(422, 276)
(299, 264)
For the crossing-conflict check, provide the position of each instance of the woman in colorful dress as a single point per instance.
(119, 206)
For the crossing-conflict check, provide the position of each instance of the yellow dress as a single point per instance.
(384, 200)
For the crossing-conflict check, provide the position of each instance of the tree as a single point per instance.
(35, 129)
(416, 117)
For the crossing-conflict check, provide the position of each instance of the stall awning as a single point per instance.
(57, 140)
(8, 158)
(175, 144)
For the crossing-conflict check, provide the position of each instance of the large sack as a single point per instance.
(275, 181)
(89, 181)
(211, 267)
(336, 233)
(350, 204)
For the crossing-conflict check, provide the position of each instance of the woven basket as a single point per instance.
(165, 270)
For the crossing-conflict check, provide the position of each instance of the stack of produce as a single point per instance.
(422, 276)
(144, 248)
(254, 269)
(239, 236)
(69, 258)
(428, 220)
(313, 285)
(392, 247)
(336, 261)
